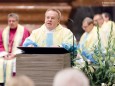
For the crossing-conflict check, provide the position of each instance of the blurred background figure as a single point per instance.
(20, 81)
(98, 20)
(106, 16)
(109, 24)
(105, 25)
(102, 27)
(70, 77)
(12, 36)
(87, 39)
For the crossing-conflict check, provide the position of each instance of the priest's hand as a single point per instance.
(5, 57)
(30, 45)
(9, 56)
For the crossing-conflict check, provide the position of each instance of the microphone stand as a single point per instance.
(71, 24)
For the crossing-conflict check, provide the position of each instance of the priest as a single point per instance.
(10, 38)
(52, 33)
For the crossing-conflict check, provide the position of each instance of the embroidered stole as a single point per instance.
(7, 66)
(17, 38)
(43, 38)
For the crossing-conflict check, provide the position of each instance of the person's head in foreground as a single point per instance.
(52, 18)
(20, 81)
(70, 77)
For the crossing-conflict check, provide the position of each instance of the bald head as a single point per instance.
(88, 20)
(70, 77)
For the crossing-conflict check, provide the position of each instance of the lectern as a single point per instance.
(42, 63)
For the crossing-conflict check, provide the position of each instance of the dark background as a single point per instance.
(79, 13)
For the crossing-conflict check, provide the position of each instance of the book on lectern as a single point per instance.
(43, 50)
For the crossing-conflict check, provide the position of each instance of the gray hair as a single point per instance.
(55, 10)
(69, 77)
(14, 15)
(99, 15)
(88, 20)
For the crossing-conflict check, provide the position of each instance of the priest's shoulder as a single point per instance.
(66, 29)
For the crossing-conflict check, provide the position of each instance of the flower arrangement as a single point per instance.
(101, 73)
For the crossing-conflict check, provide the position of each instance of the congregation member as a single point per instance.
(51, 33)
(70, 77)
(21, 80)
(11, 37)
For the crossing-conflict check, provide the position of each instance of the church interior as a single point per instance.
(31, 12)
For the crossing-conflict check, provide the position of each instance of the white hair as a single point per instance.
(70, 77)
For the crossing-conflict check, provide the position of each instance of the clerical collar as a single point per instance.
(13, 28)
(48, 31)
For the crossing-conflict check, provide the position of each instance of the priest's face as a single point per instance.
(51, 19)
(98, 20)
(87, 27)
(12, 22)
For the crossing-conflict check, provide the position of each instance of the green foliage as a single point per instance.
(103, 71)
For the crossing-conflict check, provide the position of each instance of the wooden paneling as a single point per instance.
(32, 13)
(93, 3)
(58, 1)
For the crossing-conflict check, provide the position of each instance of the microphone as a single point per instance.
(71, 22)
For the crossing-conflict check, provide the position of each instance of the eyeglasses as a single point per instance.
(97, 19)
(86, 26)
